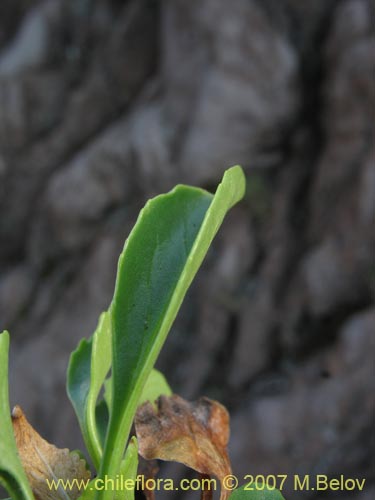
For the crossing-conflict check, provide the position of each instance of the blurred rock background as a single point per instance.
(105, 103)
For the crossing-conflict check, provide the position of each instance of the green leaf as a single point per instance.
(12, 475)
(244, 493)
(88, 366)
(160, 259)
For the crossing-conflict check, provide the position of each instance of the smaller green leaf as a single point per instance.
(12, 475)
(256, 493)
(155, 386)
(88, 366)
(78, 385)
(101, 359)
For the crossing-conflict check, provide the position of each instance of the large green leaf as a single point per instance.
(12, 475)
(256, 493)
(89, 365)
(158, 263)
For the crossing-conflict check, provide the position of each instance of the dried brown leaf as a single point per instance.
(195, 434)
(42, 460)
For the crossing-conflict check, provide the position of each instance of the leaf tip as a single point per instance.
(17, 412)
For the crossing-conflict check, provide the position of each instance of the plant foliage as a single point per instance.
(111, 374)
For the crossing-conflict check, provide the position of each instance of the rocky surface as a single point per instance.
(104, 104)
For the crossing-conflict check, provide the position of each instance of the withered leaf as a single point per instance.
(195, 434)
(42, 461)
